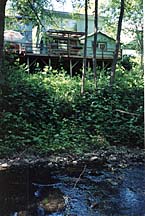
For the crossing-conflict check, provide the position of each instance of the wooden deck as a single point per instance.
(69, 59)
(63, 50)
(71, 63)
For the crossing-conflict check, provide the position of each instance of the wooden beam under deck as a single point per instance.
(71, 63)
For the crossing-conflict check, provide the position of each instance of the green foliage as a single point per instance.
(127, 62)
(31, 10)
(133, 21)
(44, 112)
(129, 79)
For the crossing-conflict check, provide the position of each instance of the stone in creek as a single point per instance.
(4, 165)
(52, 200)
(94, 158)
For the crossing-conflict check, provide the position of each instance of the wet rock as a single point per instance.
(74, 162)
(5, 165)
(123, 165)
(112, 158)
(94, 205)
(50, 164)
(94, 158)
(112, 182)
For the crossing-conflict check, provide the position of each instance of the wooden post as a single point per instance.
(49, 62)
(70, 64)
(102, 48)
(88, 64)
(68, 45)
(102, 58)
(28, 64)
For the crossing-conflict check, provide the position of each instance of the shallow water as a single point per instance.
(97, 192)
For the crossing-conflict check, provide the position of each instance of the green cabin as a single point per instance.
(105, 46)
(63, 45)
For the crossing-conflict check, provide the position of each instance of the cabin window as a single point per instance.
(101, 46)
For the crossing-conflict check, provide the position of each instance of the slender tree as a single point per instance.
(2, 21)
(85, 48)
(95, 42)
(113, 68)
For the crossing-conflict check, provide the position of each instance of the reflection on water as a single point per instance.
(42, 192)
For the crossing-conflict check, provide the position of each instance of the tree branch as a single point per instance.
(35, 12)
(122, 111)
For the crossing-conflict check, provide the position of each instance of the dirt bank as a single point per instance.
(110, 156)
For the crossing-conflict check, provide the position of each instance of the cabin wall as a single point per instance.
(62, 23)
(69, 22)
(107, 52)
(81, 24)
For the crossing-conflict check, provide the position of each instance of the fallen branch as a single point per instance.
(122, 111)
(80, 176)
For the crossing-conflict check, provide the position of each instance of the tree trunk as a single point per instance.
(139, 34)
(2, 22)
(85, 48)
(95, 42)
(113, 68)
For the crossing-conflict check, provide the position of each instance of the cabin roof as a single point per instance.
(64, 34)
(99, 32)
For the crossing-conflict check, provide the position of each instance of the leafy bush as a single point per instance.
(128, 62)
(44, 112)
(129, 79)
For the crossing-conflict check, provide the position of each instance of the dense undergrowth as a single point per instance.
(45, 113)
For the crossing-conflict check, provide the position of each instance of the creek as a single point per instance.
(76, 190)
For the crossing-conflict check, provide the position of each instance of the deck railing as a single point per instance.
(55, 49)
